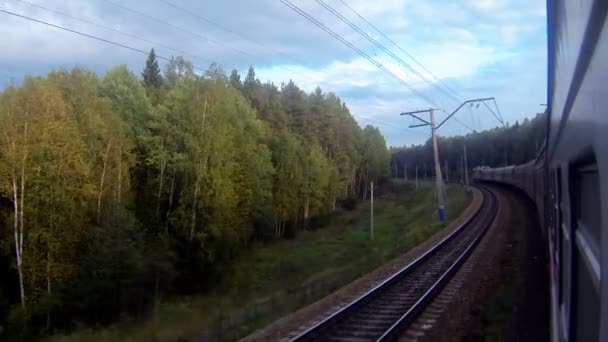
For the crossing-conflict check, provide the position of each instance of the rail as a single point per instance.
(483, 216)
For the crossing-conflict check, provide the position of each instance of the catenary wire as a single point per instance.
(385, 49)
(357, 50)
(91, 36)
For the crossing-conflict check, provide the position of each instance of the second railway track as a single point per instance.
(390, 307)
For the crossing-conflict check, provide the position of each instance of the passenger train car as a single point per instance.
(569, 180)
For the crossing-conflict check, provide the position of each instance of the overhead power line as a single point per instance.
(400, 48)
(356, 49)
(453, 94)
(385, 49)
(387, 124)
(92, 37)
(497, 115)
(224, 28)
(195, 34)
(463, 124)
(126, 34)
(208, 21)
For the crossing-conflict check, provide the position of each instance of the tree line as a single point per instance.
(500, 146)
(119, 191)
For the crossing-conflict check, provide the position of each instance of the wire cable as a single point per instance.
(195, 34)
(354, 48)
(493, 113)
(463, 124)
(387, 124)
(116, 31)
(385, 49)
(224, 28)
(91, 36)
(86, 35)
(400, 48)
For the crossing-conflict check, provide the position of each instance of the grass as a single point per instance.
(518, 309)
(271, 280)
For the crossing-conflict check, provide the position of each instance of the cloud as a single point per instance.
(476, 47)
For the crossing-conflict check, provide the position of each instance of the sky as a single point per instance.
(442, 52)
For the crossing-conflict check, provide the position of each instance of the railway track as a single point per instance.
(384, 312)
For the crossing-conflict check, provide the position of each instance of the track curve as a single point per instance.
(383, 312)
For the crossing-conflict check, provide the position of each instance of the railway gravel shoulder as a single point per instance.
(451, 315)
(500, 292)
(297, 322)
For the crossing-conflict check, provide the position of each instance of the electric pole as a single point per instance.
(405, 172)
(371, 223)
(462, 169)
(466, 169)
(438, 176)
(434, 128)
(446, 171)
(416, 176)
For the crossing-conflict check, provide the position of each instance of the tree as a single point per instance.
(375, 156)
(216, 72)
(250, 80)
(119, 191)
(176, 69)
(500, 146)
(13, 161)
(288, 185)
(151, 74)
(235, 79)
(317, 175)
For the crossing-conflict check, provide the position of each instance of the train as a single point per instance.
(568, 181)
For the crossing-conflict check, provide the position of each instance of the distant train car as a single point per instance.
(569, 180)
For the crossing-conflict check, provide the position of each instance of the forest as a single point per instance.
(123, 190)
(500, 146)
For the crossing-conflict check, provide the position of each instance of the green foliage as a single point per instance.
(501, 146)
(374, 153)
(128, 191)
(151, 74)
(110, 273)
(290, 273)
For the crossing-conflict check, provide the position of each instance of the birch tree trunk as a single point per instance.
(18, 238)
(163, 164)
(306, 207)
(194, 203)
(18, 203)
(103, 175)
(22, 187)
(170, 202)
(119, 194)
(199, 172)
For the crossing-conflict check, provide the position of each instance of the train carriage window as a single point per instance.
(586, 267)
(587, 317)
(556, 229)
(588, 206)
